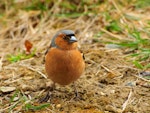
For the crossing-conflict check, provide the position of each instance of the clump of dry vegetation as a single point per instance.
(113, 35)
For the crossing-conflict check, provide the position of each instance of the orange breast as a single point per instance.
(64, 66)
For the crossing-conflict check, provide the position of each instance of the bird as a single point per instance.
(64, 63)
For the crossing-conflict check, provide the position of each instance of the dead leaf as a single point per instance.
(28, 46)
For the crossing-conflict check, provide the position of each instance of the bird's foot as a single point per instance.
(77, 96)
(45, 98)
(48, 95)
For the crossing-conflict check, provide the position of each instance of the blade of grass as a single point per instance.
(138, 65)
(14, 95)
(29, 106)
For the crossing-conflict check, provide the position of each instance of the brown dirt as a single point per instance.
(107, 84)
(110, 83)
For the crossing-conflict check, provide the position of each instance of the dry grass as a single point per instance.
(111, 83)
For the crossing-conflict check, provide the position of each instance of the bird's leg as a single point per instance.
(76, 91)
(49, 90)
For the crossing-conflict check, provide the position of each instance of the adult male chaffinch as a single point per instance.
(64, 63)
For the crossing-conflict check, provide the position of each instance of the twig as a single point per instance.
(142, 78)
(34, 70)
(119, 11)
(9, 107)
(126, 102)
(88, 26)
(108, 70)
(136, 75)
(1, 63)
(111, 34)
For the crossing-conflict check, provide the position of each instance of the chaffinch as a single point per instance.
(64, 63)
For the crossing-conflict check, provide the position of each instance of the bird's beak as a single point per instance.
(72, 39)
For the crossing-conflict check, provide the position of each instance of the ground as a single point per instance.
(109, 84)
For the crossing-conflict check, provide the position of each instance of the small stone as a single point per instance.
(103, 94)
(112, 91)
(58, 106)
(7, 89)
(15, 99)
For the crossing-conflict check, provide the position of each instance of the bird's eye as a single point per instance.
(66, 37)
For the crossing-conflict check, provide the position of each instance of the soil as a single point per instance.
(110, 83)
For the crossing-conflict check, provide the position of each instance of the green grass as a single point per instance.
(20, 56)
(142, 3)
(68, 8)
(114, 26)
(25, 103)
(142, 48)
(38, 5)
(138, 41)
(29, 106)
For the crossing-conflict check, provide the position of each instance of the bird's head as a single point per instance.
(65, 40)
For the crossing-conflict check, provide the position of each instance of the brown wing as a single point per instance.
(82, 54)
(46, 53)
